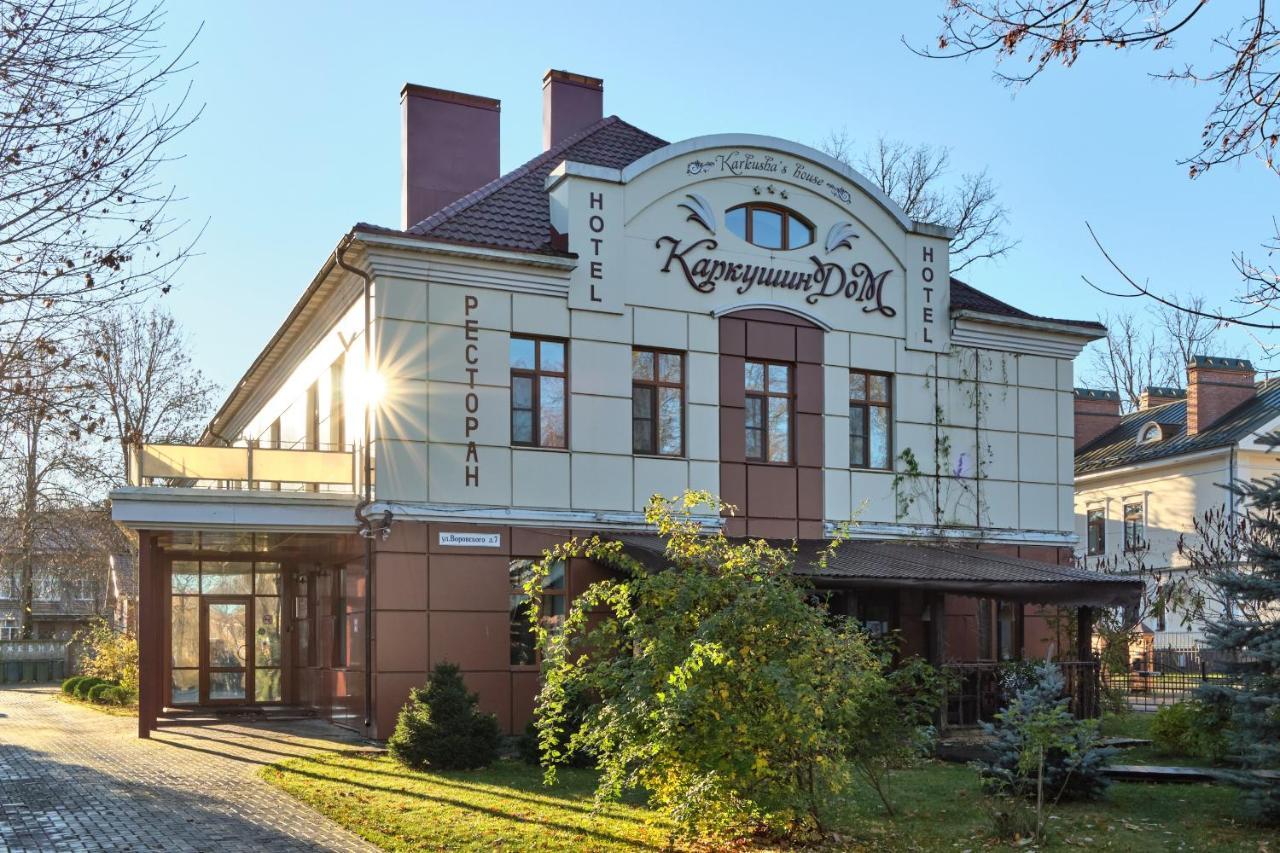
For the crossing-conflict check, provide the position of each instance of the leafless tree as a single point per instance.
(84, 212)
(138, 373)
(1152, 348)
(1223, 540)
(917, 178)
(48, 464)
(1244, 121)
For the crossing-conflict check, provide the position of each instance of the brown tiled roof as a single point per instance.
(940, 568)
(965, 297)
(1119, 447)
(513, 212)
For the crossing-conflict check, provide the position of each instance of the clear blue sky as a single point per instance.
(300, 134)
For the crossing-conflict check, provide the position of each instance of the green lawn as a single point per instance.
(506, 807)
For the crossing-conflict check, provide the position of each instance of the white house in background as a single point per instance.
(1143, 479)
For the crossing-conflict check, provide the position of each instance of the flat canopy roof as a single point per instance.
(937, 568)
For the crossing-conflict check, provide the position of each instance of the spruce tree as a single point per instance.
(1248, 633)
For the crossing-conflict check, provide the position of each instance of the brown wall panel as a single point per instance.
(524, 689)
(772, 528)
(494, 690)
(733, 336)
(401, 640)
(774, 341)
(391, 691)
(771, 491)
(469, 583)
(474, 641)
(809, 493)
(401, 581)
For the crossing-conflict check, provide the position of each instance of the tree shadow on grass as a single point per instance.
(562, 796)
(472, 806)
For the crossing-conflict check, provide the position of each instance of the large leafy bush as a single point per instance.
(441, 729)
(721, 691)
(109, 654)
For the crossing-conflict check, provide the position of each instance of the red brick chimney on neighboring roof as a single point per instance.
(570, 102)
(1097, 412)
(448, 148)
(1158, 395)
(1215, 386)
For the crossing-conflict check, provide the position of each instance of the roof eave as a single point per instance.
(1086, 332)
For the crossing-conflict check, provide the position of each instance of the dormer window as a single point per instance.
(769, 226)
(1151, 433)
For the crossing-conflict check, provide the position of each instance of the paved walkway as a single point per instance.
(73, 778)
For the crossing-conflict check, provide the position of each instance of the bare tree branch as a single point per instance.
(916, 179)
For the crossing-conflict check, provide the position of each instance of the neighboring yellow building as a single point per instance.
(1143, 479)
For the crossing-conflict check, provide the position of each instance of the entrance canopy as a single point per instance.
(938, 568)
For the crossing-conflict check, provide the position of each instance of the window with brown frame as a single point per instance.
(870, 420)
(539, 385)
(657, 402)
(769, 226)
(554, 606)
(1135, 525)
(769, 403)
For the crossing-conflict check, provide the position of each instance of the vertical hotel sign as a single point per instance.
(928, 296)
(587, 215)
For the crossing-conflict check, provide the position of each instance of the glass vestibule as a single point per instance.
(225, 635)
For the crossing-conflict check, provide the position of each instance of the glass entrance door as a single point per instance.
(227, 665)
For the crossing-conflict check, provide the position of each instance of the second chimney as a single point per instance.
(1096, 412)
(1215, 386)
(448, 148)
(570, 102)
(1157, 395)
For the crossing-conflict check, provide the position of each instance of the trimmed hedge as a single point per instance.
(87, 684)
(97, 692)
(69, 686)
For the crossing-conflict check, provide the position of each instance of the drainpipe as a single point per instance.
(368, 485)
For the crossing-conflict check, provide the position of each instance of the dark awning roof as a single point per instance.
(938, 568)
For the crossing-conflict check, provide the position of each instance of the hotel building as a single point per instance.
(532, 355)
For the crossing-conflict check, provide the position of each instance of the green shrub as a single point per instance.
(114, 694)
(86, 684)
(1192, 729)
(96, 692)
(722, 691)
(69, 686)
(440, 728)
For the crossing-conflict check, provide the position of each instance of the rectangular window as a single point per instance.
(523, 650)
(9, 628)
(313, 416)
(870, 420)
(337, 405)
(768, 400)
(539, 387)
(83, 589)
(47, 589)
(1134, 527)
(657, 402)
(1096, 531)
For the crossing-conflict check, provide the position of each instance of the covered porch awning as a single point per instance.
(938, 568)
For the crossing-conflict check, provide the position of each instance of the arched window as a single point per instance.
(768, 226)
(1151, 433)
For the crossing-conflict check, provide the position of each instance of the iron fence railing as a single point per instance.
(979, 690)
(1167, 675)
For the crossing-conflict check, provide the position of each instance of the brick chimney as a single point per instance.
(448, 147)
(1097, 412)
(1215, 386)
(570, 102)
(1159, 395)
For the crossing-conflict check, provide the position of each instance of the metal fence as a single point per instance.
(979, 690)
(1166, 674)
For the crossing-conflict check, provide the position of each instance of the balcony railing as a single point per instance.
(255, 468)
